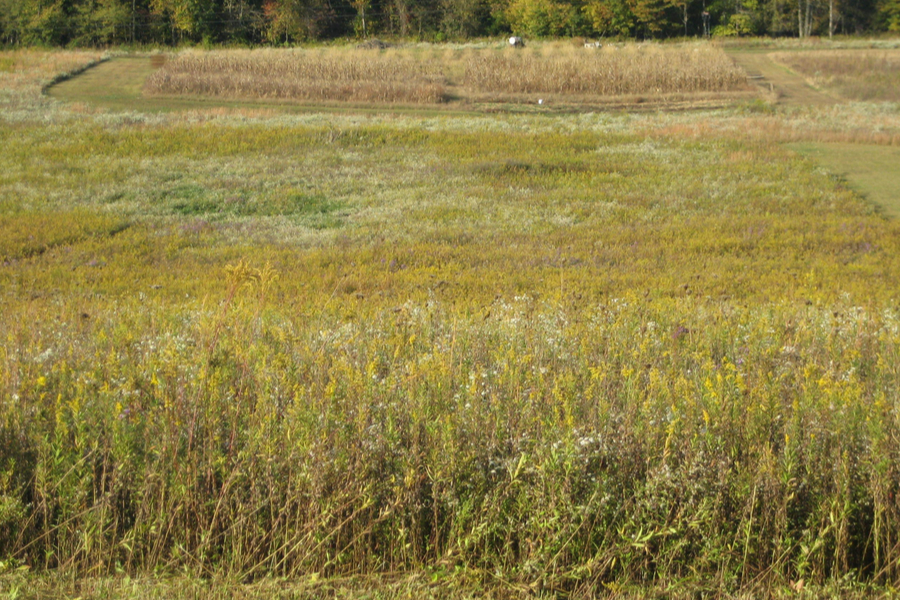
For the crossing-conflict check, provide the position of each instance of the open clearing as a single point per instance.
(362, 353)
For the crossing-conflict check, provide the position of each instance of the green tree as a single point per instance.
(36, 22)
(101, 22)
(543, 18)
(610, 17)
(362, 24)
(11, 21)
(399, 17)
(463, 18)
(241, 20)
(187, 19)
(651, 17)
(889, 14)
(295, 20)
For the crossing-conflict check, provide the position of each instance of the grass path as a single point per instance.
(869, 169)
(791, 89)
(117, 84)
(112, 84)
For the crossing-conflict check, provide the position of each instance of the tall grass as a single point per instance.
(870, 75)
(553, 447)
(24, 73)
(357, 76)
(585, 355)
(610, 71)
(416, 75)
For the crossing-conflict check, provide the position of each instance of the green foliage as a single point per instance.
(294, 20)
(737, 25)
(889, 14)
(463, 18)
(102, 22)
(543, 18)
(611, 17)
(188, 19)
(285, 22)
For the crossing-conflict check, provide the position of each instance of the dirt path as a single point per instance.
(790, 88)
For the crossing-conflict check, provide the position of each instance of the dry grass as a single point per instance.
(24, 68)
(421, 75)
(24, 73)
(610, 71)
(851, 74)
(335, 75)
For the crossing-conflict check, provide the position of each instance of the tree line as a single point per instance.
(276, 22)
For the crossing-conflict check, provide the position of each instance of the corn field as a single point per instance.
(411, 76)
(301, 75)
(609, 71)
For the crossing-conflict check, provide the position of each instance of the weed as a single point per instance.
(573, 355)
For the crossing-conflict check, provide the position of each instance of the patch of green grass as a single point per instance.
(187, 199)
(871, 170)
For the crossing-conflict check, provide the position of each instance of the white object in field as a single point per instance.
(540, 101)
(516, 42)
(593, 45)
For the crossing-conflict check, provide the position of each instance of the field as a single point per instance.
(554, 73)
(251, 352)
(867, 75)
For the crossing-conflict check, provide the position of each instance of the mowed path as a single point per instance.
(868, 169)
(116, 83)
(790, 88)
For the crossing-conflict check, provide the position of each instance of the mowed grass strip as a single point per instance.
(872, 170)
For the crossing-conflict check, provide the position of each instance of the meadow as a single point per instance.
(248, 353)
(865, 75)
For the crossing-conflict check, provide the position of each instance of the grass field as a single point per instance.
(870, 170)
(866, 75)
(256, 353)
(555, 73)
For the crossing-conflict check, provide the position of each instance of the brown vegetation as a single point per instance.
(612, 71)
(411, 75)
(850, 74)
(301, 75)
